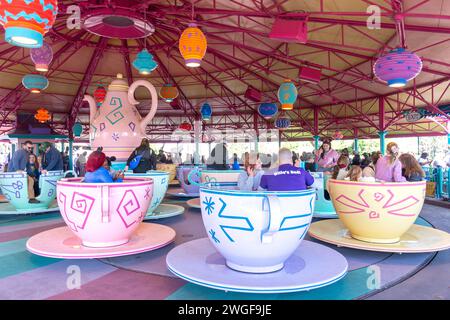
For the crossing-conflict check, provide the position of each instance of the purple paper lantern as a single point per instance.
(42, 57)
(397, 67)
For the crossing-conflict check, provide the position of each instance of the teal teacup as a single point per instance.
(14, 187)
(160, 184)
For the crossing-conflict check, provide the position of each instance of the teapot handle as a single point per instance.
(133, 101)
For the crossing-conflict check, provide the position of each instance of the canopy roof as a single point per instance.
(240, 53)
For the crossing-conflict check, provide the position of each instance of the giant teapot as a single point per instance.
(116, 125)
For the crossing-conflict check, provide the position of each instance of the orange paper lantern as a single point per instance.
(168, 92)
(192, 46)
(42, 115)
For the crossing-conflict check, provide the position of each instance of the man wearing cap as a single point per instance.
(19, 162)
(51, 160)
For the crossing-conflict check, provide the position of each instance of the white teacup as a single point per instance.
(256, 232)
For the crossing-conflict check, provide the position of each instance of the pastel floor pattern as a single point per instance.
(198, 262)
(417, 239)
(7, 209)
(165, 210)
(24, 275)
(62, 243)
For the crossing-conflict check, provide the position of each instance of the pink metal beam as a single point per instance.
(89, 73)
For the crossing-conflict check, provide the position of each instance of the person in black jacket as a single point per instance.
(52, 159)
(218, 159)
(148, 160)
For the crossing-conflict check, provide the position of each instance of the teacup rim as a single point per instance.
(259, 193)
(139, 181)
(378, 183)
(152, 172)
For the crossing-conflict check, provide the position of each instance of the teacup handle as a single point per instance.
(271, 204)
(70, 171)
(191, 173)
(104, 190)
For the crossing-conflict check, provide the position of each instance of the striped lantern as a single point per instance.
(99, 95)
(267, 110)
(168, 92)
(338, 135)
(42, 57)
(192, 46)
(397, 67)
(282, 123)
(42, 115)
(26, 21)
(206, 111)
(144, 62)
(35, 82)
(287, 95)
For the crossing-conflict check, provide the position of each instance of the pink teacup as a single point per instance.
(104, 214)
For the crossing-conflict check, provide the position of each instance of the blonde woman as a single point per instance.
(389, 167)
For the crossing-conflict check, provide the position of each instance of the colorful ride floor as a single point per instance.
(24, 275)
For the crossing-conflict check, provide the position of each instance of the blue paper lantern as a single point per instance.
(77, 129)
(206, 111)
(267, 110)
(144, 62)
(287, 95)
(282, 123)
(35, 82)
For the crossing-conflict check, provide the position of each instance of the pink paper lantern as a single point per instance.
(397, 67)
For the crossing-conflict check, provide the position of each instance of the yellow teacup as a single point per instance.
(375, 211)
(170, 168)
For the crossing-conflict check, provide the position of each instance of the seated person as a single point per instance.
(411, 168)
(286, 177)
(341, 168)
(116, 175)
(354, 174)
(218, 158)
(95, 172)
(250, 179)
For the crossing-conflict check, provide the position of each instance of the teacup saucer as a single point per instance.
(416, 240)
(165, 210)
(8, 208)
(174, 183)
(62, 243)
(194, 203)
(325, 215)
(199, 262)
(179, 192)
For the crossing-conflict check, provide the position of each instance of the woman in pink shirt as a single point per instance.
(389, 168)
(326, 158)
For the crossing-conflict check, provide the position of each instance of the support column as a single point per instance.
(256, 131)
(382, 135)
(70, 154)
(197, 132)
(355, 141)
(316, 147)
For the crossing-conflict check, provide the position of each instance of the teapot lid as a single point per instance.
(118, 84)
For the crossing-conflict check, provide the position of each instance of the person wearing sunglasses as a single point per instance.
(18, 164)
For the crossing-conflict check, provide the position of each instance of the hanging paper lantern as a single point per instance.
(77, 129)
(42, 115)
(26, 21)
(287, 94)
(338, 135)
(42, 57)
(206, 111)
(35, 82)
(144, 62)
(282, 123)
(168, 92)
(185, 126)
(99, 95)
(192, 45)
(267, 110)
(397, 67)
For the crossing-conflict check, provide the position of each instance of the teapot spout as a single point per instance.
(92, 106)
